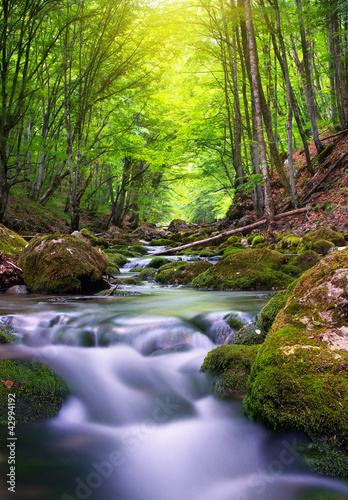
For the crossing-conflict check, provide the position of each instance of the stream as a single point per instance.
(141, 422)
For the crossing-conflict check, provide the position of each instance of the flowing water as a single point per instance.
(140, 422)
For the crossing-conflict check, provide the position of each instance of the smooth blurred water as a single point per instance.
(140, 422)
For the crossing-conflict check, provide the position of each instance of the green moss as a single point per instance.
(62, 264)
(231, 364)
(206, 253)
(159, 243)
(117, 259)
(112, 270)
(322, 247)
(296, 384)
(234, 321)
(94, 240)
(148, 272)
(323, 233)
(299, 378)
(138, 249)
(249, 335)
(257, 240)
(249, 269)
(269, 312)
(157, 262)
(181, 273)
(290, 242)
(39, 393)
(10, 242)
(228, 251)
(307, 259)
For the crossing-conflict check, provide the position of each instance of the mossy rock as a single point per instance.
(249, 335)
(118, 241)
(249, 269)
(231, 364)
(157, 262)
(206, 253)
(148, 272)
(228, 251)
(94, 240)
(290, 242)
(39, 393)
(63, 264)
(139, 249)
(258, 241)
(118, 259)
(10, 242)
(299, 378)
(181, 273)
(159, 243)
(231, 241)
(233, 321)
(322, 247)
(269, 312)
(112, 270)
(323, 233)
(307, 259)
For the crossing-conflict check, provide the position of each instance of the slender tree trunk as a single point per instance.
(312, 106)
(290, 113)
(269, 207)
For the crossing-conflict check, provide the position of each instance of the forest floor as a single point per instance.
(328, 203)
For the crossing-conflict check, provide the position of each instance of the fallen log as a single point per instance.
(232, 231)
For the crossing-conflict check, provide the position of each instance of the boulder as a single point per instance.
(39, 392)
(10, 242)
(63, 264)
(177, 225)
(299, 378)
(181, 273)
(249, 269)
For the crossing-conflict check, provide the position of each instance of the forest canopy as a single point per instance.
(149, 110)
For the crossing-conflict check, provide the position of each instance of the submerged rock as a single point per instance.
(299, 378)
(63, 264)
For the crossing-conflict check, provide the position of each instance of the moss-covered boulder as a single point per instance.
(10, 242)
(181, 273)
(93, 240)
(230, 365)
(63, 264)
(249, 269)
(323, 233)
(39, 393)
(290, 243)
(157, 262)
(306, 260)
(300, 376)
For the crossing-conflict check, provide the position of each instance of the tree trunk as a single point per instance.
(269, 207)
(312, 106)
(233, 231)
(288, 95)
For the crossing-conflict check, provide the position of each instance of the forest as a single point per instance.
(148, 110)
